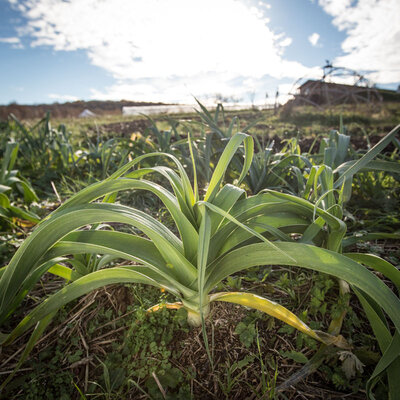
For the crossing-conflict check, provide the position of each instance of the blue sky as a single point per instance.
(172, 50)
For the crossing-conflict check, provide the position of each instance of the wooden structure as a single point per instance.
(328, 91)
(321, 93)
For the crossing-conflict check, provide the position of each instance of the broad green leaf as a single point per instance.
(309, 257)
(390, 356)
(225, 199)
(119, 245)
(356, 238)
(364, 160)
(188, 233)
(74, 290)
(378, 264)
(64, 272)
(226, 215)
(338, 226)
(225, 159)
(374, 165)
(188, 191)
(55, 228)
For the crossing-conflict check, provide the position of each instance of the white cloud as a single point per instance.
(10, 40)
(286, 42)
(313, 39)
(286, 91)
(373, 36)
(166, 50)
(62, 97)
(14, 41)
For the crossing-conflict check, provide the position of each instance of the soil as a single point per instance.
(208, 381)
(125, 128)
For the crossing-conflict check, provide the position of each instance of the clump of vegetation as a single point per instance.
(204, 245)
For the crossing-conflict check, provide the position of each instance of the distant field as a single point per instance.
(68, 110)
(304, 121)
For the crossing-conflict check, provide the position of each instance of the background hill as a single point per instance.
(72, 109)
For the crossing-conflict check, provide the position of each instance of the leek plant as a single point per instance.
(166, 141)
(10, 179)
(268, 169)
(277, 170)
(216, 122)
(43, 149)
(265, 168)
(104, 156)
(206, 148)
(328, 186)
(221, 233)
(14, 185)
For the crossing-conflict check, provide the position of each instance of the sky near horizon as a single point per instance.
(173, 50)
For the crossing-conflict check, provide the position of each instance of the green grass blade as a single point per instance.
(203, 248)
(195, 184)
(202, 258)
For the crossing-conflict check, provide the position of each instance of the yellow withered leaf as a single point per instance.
(171, 306)
(279, 312)
(23, 223)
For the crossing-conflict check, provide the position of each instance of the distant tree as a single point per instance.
(276, 102)
(252, 96)
(220, 98)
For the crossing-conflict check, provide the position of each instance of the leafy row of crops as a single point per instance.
(233, 203)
